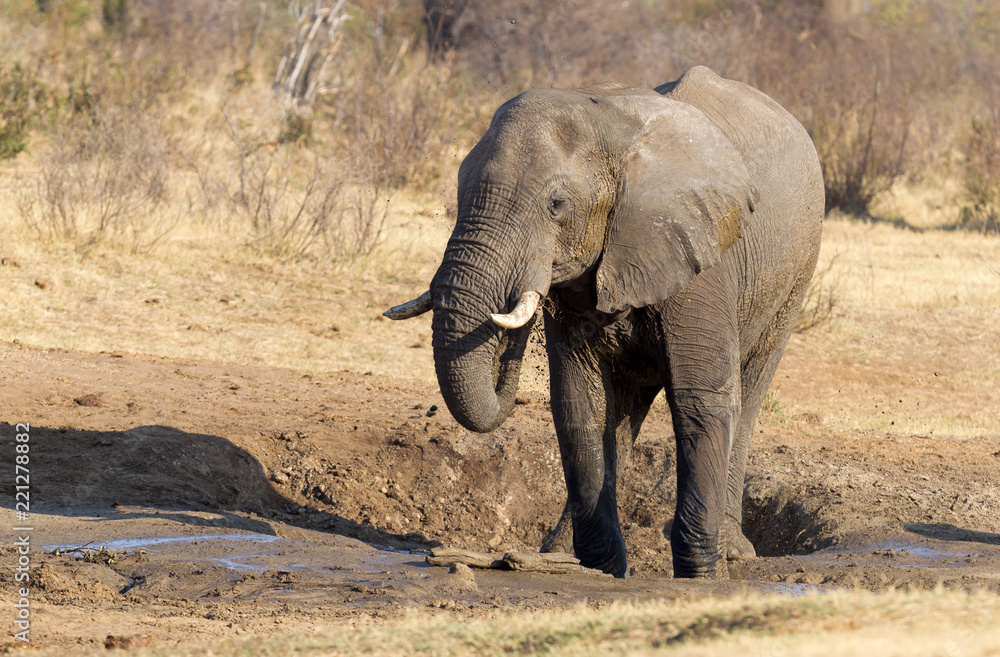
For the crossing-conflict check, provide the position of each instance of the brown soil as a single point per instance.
(297, 499)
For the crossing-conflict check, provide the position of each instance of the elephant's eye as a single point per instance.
(556, 205)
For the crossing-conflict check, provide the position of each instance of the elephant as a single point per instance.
(669, 236)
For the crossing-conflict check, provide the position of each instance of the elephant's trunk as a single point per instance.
(477, 361)
(478, 371)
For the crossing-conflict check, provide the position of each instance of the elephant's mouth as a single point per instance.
(511, 344)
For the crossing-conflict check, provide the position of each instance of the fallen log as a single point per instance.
(442, 556)
(558, 563)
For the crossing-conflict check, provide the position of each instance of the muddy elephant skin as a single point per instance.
(670, 235)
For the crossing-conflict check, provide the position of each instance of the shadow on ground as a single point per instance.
(946, 532)
(172, 472)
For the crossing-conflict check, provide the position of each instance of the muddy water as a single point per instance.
(902, 563)
(257, 566)
(238, 574)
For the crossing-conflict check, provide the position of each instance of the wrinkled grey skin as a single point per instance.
(673, 233)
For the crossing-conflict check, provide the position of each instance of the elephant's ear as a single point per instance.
(683, 192)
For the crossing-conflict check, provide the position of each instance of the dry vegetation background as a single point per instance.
(254, 182)
(288, 128)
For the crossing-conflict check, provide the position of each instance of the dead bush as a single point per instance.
(847, 92)
(981, 165)
(103, 180)
(302, 70)
(205, 174)
(443, 19)
(187, 38)
(524, 43)
(296, 203)
(16, 100)
(149, 53)
(515, 44)
(370, 200)
(401, 126)
(354, 73)
(982, 176)
(862, 149)
(291, 209)
(822, 297)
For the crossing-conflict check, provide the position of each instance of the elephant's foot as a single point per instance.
(697, 560)
(600, 546)
(703, 566)
(615, 563)
(606, 553)
(738, 546)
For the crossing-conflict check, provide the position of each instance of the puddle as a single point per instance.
(924, 551)
(795, 590)
(244, 562)
(893, 554)
(125, 544)
(896, 546)
(916, 550)
(251, 553)
(232, 564)
(238, 562)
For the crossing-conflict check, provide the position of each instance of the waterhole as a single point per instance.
(778, 524)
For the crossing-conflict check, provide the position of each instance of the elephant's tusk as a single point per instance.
(525, 310)
(418, 306)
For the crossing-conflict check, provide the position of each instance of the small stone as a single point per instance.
(460, 569)
(126, 642)
(89, 400)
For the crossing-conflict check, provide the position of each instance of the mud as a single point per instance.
(183, 501)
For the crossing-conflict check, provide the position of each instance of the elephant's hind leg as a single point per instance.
(757, 371)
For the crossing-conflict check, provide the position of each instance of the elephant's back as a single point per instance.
(779, 246)
(776, 148)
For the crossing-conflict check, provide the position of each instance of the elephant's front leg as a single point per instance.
(703, 424)
(582, 401)
(703, 390)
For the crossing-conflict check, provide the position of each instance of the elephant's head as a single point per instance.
(620, 192)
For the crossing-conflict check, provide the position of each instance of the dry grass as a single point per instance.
(200, 295)
(837, 623)
(908, 349)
